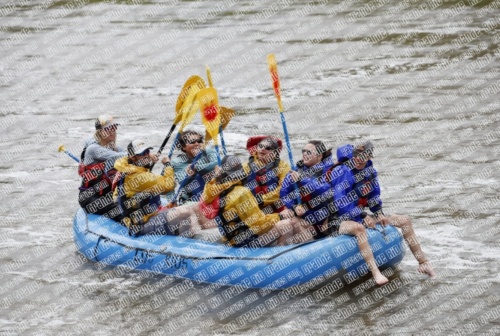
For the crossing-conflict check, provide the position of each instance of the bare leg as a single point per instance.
(285, 230)
(293, 231)
(404, 222)
(359, 231)
(184, 220)
(302, 232)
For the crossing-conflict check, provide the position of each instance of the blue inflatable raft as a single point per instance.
(336, 260)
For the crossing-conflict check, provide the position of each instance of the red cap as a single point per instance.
(252, 142)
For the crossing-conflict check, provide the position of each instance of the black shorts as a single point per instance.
(330, 229)
(101, 205)
(157, 224)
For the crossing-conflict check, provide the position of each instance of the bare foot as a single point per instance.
(380, 279)
(426, 268)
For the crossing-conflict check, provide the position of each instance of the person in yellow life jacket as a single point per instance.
(233, 206)
(266, 172)
(96, 169)
(138, 194)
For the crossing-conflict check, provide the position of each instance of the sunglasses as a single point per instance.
(190, 142)
(307, 152)
(111, 128)
(266, 147)
(367, 153)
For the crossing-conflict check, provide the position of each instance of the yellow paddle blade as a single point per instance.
(192, 85)
(189, 109)
(209, 76)
(226, 114)
(273, 70)
(210, 114)
(61, 148)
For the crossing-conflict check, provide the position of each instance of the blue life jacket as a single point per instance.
(355, 188)
(315, 191)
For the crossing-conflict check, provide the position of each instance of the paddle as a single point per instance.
(183, 108)
(71, 155)
(210, 115)
(273, 70)
(221, 133)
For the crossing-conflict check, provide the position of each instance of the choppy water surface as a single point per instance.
(420, 78)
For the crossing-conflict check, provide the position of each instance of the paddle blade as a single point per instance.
(226, 114)
(193, 85)
(189, 109)
(210, 113)
(273, 70)
(61, 148)
(209, 76)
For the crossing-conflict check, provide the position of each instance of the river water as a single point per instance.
(419, 78)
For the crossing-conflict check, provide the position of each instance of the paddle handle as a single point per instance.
(290, 156)
(218, 155)
(71, 155)
(164, 143)
(222, 142)
(171, 152)
(209, 76)
(167, 138)
(287, 141)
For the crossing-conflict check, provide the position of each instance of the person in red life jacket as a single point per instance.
(97, 171)
(357, 188)
(307, 218)
(266, 172)
(138, 194)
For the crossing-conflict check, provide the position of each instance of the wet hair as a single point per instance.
(321, 148)
(232, 169)
(366, 152)
(186, 137)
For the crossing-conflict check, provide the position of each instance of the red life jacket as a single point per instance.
(265, 179)
(94, 176)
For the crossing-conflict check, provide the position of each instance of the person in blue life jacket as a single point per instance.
(138, 194)
(97, 169)
(194, 178)
(307, 219)
(357, 188)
